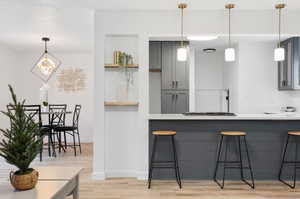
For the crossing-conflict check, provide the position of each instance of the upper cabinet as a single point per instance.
(155, 55)
(288, 70)
(175, 75)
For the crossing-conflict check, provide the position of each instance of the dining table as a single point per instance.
(52, 115)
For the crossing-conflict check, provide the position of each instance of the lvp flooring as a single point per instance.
(131, 188)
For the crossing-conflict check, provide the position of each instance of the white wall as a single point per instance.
(8, 60)
(209, 95)
(231, 81)
(257, 74)
(28, 86)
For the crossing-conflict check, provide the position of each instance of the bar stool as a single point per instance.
(235, 164)
(295, 135)
(171, 164)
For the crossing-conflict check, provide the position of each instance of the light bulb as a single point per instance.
(182, 54)
(279, 54)
(46, 65)
(229, 54)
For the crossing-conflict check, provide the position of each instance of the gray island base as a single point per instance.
(197, 141)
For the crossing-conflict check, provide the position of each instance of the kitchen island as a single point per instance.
(198, 137)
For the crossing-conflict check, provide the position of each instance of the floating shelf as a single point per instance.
(121, 103)
(120, 66)
(155, 70)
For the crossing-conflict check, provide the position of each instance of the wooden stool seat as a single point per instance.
(294, 132)
(164, 132)
(233, 133)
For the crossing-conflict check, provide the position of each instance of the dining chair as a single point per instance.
(72, 130)
(34, 113)
(57, 117)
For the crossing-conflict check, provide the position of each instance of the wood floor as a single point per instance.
(130, 188)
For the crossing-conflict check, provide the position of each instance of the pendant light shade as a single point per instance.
(230, 51)
(46, 65)
(182, 54)
(279, 53)
(229, 54)
(182, 50)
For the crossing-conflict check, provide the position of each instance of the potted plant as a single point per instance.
(20, 145)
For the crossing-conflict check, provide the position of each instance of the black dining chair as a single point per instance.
(72, 130)
(57, 117)
(34, 113)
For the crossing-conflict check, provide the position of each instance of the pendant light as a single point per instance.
(182, 51)
(47, 64)
(230, 51)
(279, 53)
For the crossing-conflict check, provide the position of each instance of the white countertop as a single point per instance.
(279, 116)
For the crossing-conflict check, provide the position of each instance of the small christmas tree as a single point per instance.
(22, 142)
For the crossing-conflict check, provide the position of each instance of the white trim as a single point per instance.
(142, 175)
(98, 176)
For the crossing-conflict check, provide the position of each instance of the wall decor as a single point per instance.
(71, 80)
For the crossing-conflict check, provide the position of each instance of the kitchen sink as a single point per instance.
(210, 113)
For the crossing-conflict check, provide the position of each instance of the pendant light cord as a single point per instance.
(229, 27)
(181, 27)
(279, 28)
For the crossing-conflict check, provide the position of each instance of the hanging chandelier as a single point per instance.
(46, 65)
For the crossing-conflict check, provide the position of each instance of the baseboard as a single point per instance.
(120, 174)
(98, 176)
(142, 175)
(126, 174)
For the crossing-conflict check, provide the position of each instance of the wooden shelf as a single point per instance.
(155, 70)
(120, 66)
(117, 103)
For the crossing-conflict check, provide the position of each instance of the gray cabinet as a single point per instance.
(155, 55)
(175, 101)
(168, 102)
(288, 70)
(174, 76)
(174, 73)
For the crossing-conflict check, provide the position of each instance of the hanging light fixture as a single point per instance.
(279, 53)
(230, 51)
(46, 65)
(182, 51)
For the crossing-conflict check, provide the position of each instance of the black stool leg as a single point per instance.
(151, 162)
(177, 173)
(240, 158)
(224, 166)
(283, 162)
(249, 164)
(218, 161)
(295, 164)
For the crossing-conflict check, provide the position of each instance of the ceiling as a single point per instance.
(154, 4)
(69, 29)
(70, 23)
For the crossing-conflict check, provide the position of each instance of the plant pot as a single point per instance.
(25, 181)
